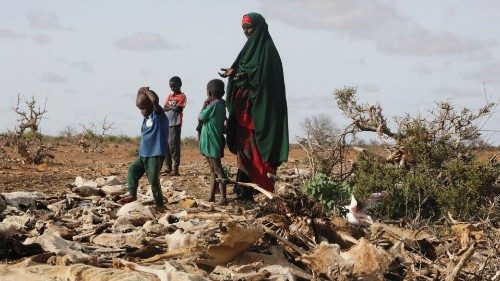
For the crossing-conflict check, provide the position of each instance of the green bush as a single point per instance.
(331, 194)
(412, 193)
(459, 187)
(227, 171)
(467, 186)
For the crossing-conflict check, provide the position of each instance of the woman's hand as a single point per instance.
(225, 72)
(241, 76)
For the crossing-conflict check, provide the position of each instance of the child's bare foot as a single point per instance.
(222, 202)
(126, 199)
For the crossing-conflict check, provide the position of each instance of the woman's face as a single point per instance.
(247, 29)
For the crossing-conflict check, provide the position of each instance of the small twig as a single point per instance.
(456, 271)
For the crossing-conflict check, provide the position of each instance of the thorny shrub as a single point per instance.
(432, 170)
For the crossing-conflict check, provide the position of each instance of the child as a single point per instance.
(174, 105)
(153, 147)
(211, 143)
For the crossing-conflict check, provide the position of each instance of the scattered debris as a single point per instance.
(85, 233)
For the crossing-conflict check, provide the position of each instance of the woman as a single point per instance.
(256, 101)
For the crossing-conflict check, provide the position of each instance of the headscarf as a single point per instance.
(260, 60)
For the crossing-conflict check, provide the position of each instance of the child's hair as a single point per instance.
(142, 100)
(216, 87)
(176, 80)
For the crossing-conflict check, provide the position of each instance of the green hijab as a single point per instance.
(260, 60)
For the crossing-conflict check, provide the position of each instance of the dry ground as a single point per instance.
(70, 161)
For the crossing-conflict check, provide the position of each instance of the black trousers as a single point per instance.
(173, 157)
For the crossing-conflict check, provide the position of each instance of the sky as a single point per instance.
(85, 60)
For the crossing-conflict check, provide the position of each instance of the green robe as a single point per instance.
(211, 136)
(260, 60)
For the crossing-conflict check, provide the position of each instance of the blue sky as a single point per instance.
(88, 58)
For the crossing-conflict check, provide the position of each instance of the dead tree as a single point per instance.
(26, 137)
(93, 136)
(452, 129)
(325, 145)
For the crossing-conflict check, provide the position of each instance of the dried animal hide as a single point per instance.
(7, 230)
(268, 261)
(87, 191)
(20, 223)
(370, 261)
(154, 228)
(119, 240)
(80, 181)
(236, 239)
(58, 230)
(23, 200)
(59, 246)
(177, 221)
(170, 273)
(114, 189)
(111, 180)
(180, 239)
(80, 272)
(395, 234)
(325, 259)
(134, 213)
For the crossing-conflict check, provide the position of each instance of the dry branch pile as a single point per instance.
(86, 234)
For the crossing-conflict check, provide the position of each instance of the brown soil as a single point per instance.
(55, 177)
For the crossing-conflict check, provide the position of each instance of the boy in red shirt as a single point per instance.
(174, 105)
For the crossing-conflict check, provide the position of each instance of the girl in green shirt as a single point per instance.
(211, 143)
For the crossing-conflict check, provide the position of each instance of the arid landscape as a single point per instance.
(388, 111)
(65, 207)
(55, 176)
